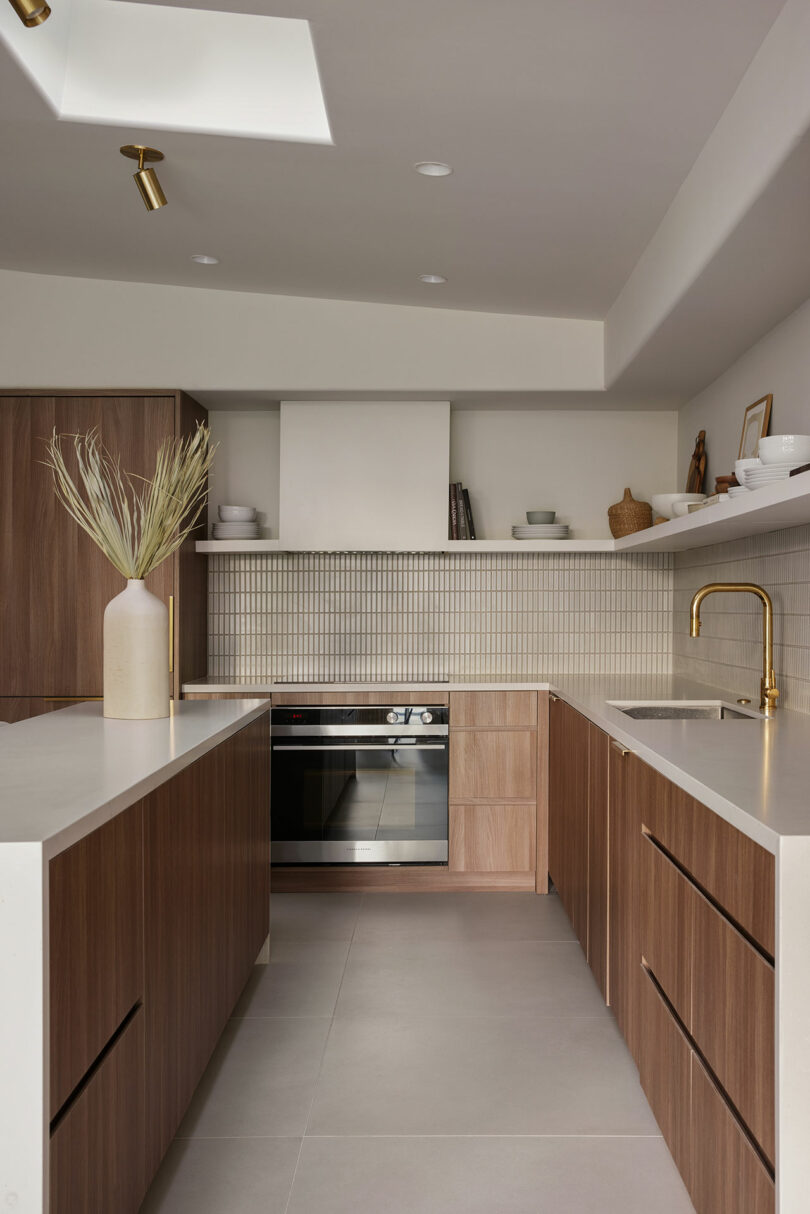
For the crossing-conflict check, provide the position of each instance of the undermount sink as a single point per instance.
(684, 710)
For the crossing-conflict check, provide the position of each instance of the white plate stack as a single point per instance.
(236, 523)
(767, 474)
(540, 531)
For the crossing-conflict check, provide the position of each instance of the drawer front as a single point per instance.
(493, 838)
(733, 1018)
(389, 695)
(598, 750)
(665, 1073)
(97, 1148)
(493, 765)
(494, 709)
(727, 1176)
(733, 869)
(667, 917)
(96, 946)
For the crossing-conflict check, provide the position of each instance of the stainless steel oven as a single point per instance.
(360, 785)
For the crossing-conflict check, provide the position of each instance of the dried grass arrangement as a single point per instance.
(135, 528)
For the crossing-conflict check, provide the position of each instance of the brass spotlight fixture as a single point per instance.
(146, 179)
(31, 12)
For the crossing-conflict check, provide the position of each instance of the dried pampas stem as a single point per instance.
(135, 529)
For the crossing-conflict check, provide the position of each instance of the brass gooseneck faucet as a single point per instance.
(769, 693)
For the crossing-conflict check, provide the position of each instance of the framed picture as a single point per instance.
(755, 426)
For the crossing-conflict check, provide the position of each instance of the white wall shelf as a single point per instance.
(785, 504)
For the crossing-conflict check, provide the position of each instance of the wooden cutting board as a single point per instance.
(697, 466)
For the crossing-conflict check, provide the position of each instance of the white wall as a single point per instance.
(779, 363)
(79, 332)
(245, 471)
(577, 463)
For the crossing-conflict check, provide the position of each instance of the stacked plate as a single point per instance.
(736, 490)
(540, 531)
(236, 523)
(767, 474)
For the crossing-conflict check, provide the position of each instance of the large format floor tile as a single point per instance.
(485, 1175)
(224, 1176)
(314, 916)
(260, 1081)
(453, 1075)
(468, 978)
(302, 979)
(389, 918)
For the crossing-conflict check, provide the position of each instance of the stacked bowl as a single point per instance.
(236, 523)
(778, 456)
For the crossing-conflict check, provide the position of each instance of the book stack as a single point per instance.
(460, 525)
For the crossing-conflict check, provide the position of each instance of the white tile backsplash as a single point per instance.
(378, 616)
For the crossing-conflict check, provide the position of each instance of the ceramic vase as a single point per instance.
(136, 655)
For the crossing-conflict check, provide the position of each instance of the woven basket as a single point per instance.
(628, 516)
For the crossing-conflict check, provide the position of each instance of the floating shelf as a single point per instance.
(785, 504)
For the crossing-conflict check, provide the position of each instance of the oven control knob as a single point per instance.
(392, 718)
(426, 718)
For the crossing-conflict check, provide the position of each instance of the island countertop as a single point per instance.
(64, 774)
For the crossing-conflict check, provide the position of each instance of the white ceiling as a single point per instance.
(570, 125)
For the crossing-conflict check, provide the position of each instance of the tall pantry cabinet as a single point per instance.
(55, 581)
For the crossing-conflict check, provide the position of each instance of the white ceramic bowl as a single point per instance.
(785, 449)
(664, 503)
(237, 514)
(742, 464)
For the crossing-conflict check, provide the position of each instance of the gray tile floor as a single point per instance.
(420, 1054)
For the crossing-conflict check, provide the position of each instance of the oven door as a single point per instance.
(361, 800)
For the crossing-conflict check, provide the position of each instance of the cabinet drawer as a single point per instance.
(727, 1176)
(493, 838)
(494, 709)
(733, 1018)
(665, 1073)
(493, 765)
(96, 946)
(733, 869)
(97, 1148)
(667, 916)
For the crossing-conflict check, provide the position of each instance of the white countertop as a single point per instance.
(67, 772)
(754, 773)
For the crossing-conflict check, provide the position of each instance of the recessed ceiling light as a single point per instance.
(433, 168)
(203, 259)
(433, 279)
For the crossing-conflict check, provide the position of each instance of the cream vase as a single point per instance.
(136, 655)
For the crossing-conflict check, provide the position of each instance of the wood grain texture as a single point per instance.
(22, 708)
(493, 709)
(568, 813)
(387, 695)
(96, 946)
(371, 879)
(541, 873)
(96, 1150)
(598, 822)
(733, 1018)
(493, 838)
(665, 1073)
(733, 869)
(206, 860)
(190, 575)
(667, 926)
(629, 788)
(493, 765)
(726, 1175)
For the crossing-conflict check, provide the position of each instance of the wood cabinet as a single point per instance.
(665, 1072)
(56, 581)
(492, 838)
(726, 1174)
(630, 782)
(598, 835)
(568, 812)
(493, 765)
(495, 709)
(156, 920)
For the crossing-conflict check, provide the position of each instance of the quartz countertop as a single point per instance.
(752, 772)
(65, 773)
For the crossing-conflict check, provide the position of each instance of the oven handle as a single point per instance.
(368, 746)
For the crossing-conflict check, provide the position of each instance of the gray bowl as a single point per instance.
(533, 517)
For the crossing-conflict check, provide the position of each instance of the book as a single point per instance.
(463, 534)
(452, 530)
(468, 515)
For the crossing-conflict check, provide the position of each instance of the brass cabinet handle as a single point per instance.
(622, 750)
(171, 634)
(552, 697)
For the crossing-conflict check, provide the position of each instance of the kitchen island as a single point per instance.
(134, 901)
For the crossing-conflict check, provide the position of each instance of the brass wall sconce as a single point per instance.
(146, 179)
(31, 12)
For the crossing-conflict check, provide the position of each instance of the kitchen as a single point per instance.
(574, 954)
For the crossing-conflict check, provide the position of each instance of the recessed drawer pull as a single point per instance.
(622, 750)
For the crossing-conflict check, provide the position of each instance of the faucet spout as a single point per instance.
(769, 693)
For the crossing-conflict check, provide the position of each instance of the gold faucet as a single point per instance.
(769, 693)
